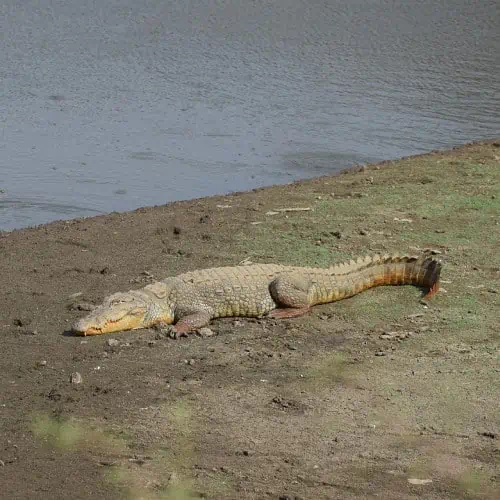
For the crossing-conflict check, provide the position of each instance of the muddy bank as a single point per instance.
(379, 394)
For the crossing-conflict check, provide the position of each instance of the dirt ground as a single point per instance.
(379, 396)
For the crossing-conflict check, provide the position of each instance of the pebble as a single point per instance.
(42, 363)
(2, 463)
(207, 332)
(113, 342)
(75, 378)
(380, 353)
(30, 331)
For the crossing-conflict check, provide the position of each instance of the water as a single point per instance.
(113, 105)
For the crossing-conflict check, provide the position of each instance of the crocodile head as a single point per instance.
(124, 311)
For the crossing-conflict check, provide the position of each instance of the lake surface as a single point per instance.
(111, 105)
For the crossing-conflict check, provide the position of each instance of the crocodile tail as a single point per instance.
(379, 270)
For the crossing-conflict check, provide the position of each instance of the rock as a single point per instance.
(206, 332)
(414, 316)
(42, 363)
(75, 378)
(113, 342)
(29, 331)
(177, 230)
(380, 353)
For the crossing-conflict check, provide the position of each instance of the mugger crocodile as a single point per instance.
(192, 299)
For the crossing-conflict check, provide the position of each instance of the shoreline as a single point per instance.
(352, 169)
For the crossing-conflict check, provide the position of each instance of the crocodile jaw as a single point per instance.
(122, 311)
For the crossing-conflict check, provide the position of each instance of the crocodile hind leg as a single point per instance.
(291, 293)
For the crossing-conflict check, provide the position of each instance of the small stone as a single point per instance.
(206, 332)
(42, 363)
(380, 353)
(30, 331)
(113, 342)
(75, 378)
(2, 463)
(388, 336)
(363, 232)
(236, 322)
(416, 315)
(177, 230)
(191, 362)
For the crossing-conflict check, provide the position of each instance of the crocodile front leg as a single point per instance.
(192, 322)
